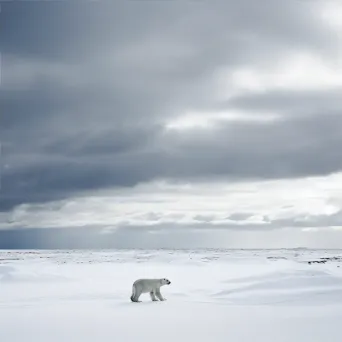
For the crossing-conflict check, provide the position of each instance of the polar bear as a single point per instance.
(148, 285)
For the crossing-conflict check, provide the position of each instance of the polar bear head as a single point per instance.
(165, 281)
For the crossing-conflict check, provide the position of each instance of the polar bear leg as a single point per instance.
(136, 294)
(159, 295)
(153, 297)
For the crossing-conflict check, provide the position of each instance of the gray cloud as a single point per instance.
(85, 238)
(312, 221)
(277, 234)
(289, 102)
(298, 147)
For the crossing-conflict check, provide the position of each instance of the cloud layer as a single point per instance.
(110, 97)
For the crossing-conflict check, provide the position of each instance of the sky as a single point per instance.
(171, 124)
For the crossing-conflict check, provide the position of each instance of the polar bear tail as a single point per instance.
(133, 294)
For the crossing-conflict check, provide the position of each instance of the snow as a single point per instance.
(215, 295)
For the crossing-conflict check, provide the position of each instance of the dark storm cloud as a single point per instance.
(87, 87)
(64, 30)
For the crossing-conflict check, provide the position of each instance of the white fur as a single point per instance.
(151, 286)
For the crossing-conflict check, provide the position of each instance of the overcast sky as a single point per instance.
(171, 124)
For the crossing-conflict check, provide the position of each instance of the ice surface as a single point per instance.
(215, 295)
